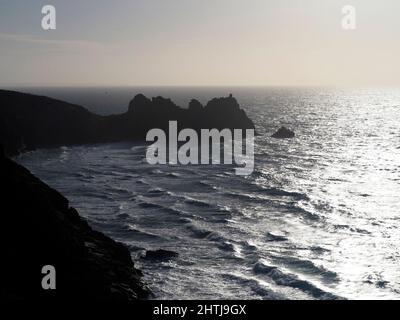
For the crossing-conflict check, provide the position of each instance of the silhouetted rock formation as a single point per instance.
(283, 133)
(39, 228)
(145, 114)
(29, 121)
(195, 106)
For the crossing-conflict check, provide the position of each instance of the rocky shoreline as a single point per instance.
(40, 228)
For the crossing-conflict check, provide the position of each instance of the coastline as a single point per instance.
(88, 263)
(40, 229)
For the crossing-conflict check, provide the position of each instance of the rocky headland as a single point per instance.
(28, 122)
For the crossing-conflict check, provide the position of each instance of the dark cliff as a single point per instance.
(28, 121)
(38, 228)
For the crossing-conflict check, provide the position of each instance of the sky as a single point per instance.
(200, 43)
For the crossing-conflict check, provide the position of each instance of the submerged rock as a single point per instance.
(160, 254)
(275, 237)
(39, 228)
(283, 133)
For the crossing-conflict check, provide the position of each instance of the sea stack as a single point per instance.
(283, 133)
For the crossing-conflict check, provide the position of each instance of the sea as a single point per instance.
(319, 218)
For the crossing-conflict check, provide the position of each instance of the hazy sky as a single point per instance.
(200, 42)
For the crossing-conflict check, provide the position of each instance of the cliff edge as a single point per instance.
(38, 228)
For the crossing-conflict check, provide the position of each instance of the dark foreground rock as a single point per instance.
(38, 227)
(283, 133)
(29, 121)
(160, 255)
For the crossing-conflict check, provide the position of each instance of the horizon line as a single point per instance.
(74, 86)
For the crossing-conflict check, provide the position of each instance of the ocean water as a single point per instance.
(318, 219)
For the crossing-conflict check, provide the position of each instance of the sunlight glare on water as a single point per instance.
(319, 217)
